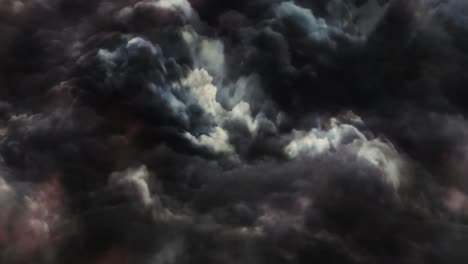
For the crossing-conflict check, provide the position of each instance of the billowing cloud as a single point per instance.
(314, 28)
(203, 131)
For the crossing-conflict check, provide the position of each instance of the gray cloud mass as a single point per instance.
(203, 131)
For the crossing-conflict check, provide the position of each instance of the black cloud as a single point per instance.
(177, 131)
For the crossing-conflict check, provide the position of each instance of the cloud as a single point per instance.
(181, 5)
(218, 140)
(134, 182)
(264, 131)
(34, 221)
(207, 53)
(318, 141)
(315, 28)
(347, 138)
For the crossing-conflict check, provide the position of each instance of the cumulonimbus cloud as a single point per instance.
(176, 131)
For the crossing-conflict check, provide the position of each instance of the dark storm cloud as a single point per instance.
(176, 131)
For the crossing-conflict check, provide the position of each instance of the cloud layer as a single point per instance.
(202, 131)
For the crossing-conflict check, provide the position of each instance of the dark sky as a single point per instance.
(249, 132)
